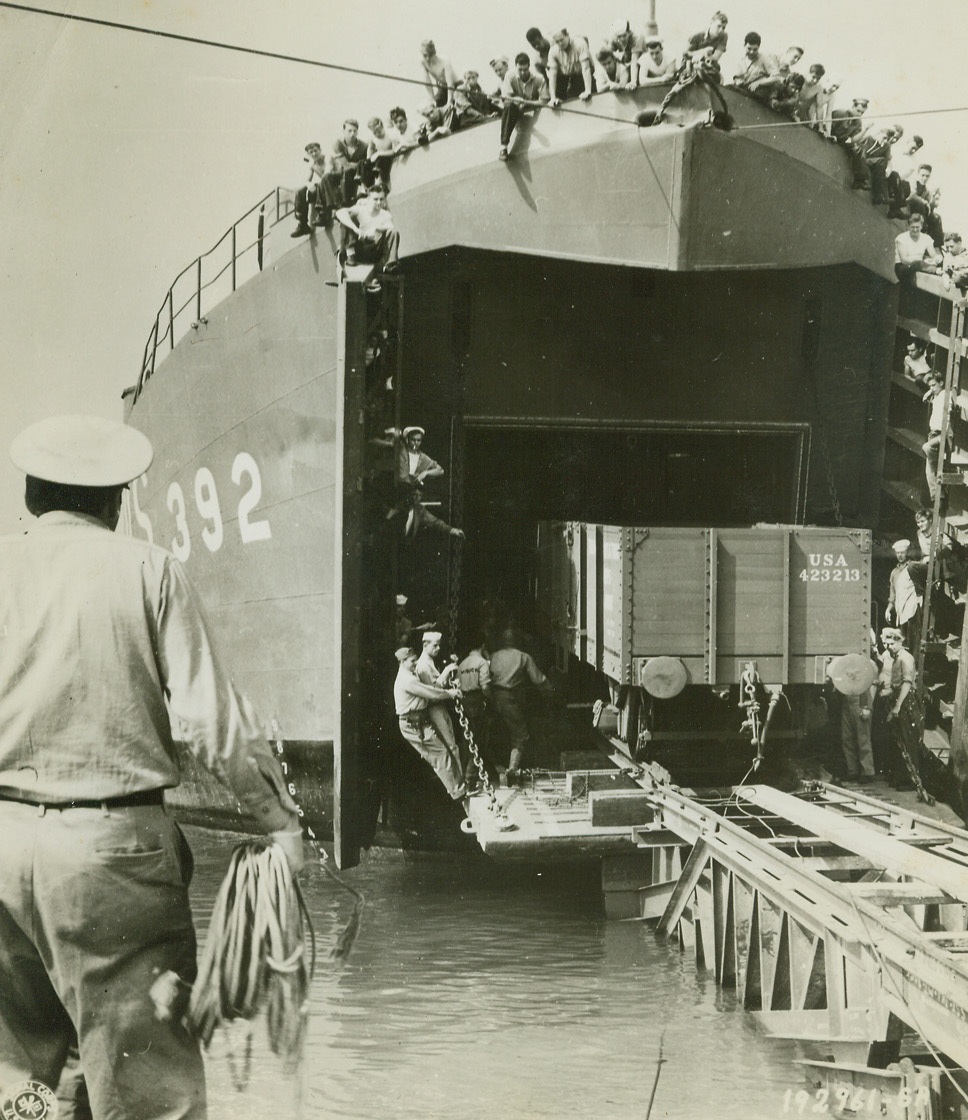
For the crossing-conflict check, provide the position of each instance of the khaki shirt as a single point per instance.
(105, 661)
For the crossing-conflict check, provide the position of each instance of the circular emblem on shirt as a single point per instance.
(31, 1100)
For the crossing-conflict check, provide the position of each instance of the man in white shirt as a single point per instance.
(412, 698)
(369, 235)
(935, 398)
(914, 251)
(654, 65)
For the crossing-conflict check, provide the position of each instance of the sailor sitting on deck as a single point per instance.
(781, 70)
(954, 262)
(500, 66)
(521, 91)
(608, 72)
(347, 167)
(757, 65)
(369, 235)
(380, 151)
(914, 251)
(626, 47)
(311, 192)
(471, 103)
(846, 124)
(411, 699)
(654, 65)
(403, 140)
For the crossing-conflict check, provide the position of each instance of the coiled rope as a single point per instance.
(260, 952)
(255, 957)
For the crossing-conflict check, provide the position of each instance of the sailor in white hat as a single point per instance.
(412, 699)
(413, 465)
(103, 645)
(439, 713)
(904, 603)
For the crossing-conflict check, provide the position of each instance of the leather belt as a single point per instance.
(128, 801)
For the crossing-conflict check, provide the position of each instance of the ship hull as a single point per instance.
(584, 338)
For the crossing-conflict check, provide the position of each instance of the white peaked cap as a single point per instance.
(82, 451)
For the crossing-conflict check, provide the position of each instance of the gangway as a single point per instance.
(839, 919)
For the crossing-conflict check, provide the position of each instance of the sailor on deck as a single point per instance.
(513, 674)
(106, 659)
(411, 699)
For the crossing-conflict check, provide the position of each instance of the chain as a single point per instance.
(752, 706)
(500, 816)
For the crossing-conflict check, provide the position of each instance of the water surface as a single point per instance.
(474, 992)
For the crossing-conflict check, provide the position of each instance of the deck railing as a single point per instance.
(237, 256)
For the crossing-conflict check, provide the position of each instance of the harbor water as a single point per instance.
(475, 991)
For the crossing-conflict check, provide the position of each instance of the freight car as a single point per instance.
(704, 636)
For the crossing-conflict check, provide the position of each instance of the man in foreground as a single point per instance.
(106, 661)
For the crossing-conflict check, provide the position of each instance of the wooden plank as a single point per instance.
(898, 894)
(896, 857)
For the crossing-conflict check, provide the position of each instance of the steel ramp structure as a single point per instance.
(830, 913)
(839, 919)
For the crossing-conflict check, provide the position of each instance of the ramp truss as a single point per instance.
(838, 918)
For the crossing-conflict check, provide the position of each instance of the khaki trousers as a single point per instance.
(93, 905)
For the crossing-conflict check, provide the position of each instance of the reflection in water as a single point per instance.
(475, 991)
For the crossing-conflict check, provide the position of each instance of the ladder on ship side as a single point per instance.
(836, 917)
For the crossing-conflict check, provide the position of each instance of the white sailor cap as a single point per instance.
(401, 600)
(413, 428)
(402, 653)
(901, 545)
(431, 636)
(82, 451)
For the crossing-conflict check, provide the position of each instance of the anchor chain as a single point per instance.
(492, 803)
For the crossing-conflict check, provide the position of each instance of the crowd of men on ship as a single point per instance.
(351, 182)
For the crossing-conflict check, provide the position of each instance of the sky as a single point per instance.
(125, 155)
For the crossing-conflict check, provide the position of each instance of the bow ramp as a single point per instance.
(839, 919)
